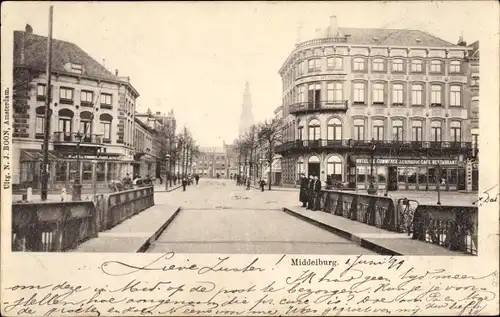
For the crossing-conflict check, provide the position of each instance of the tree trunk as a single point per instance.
(270, 166)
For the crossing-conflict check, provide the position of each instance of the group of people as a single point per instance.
(242, 180)
(310, 189)
(188, 180)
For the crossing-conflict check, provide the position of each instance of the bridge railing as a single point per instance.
(52, 226)
(62, 226)
(452, 227)
(371, 210)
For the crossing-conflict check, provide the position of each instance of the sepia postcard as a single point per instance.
(309, 158)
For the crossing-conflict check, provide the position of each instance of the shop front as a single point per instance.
(410, 173)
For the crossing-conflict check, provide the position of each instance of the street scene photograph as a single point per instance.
(241, 129)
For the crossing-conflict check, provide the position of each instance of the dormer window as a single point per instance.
(76, 68)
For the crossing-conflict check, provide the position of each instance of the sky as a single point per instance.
(195, 57)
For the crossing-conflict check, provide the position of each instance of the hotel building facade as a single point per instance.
(92, 120)
(396, 101)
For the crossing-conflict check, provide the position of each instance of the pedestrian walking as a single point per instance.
(197, 178)
(262, 184)
(310, 192)
(175, 179)
(184, 184)
(303, 190)
(248, 184)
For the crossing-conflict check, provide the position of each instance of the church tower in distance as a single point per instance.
(246, 119)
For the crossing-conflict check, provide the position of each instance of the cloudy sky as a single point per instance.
(195, 57)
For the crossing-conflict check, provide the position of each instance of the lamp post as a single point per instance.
(438, 181)
(77, 186)
(371, 187)
(168, 176)
(349, 143)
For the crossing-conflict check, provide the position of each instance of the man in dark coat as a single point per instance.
(310, 192)
(262, 183)
(303, 190)
(184, 183)
(317, 192)
(197, 178)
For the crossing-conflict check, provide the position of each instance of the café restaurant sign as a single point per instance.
(399, 161)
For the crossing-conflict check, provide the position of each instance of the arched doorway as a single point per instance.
(313, 166)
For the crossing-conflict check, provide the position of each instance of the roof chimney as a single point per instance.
(28, 29)
(461, 41)
(116, 72)
(334, 27)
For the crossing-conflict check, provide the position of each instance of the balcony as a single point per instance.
(73, 138)
(320, 106)
(386, 146)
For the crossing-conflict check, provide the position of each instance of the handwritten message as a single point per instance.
(285, 286)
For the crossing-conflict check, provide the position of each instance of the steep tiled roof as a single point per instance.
(396, 37)
(35, 52)
(475, 50)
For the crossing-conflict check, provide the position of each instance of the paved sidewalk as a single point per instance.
(134, 234)
(378, 240)
(161, 188)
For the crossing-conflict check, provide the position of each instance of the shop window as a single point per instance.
(402, 172)
(334, 168)
(111, 172)
(412, 175)
(452, 176)
(422, 175)
(61, 171)
(87, 171)
(361, 174)
(100, 171)
(444, 176)
(432, 175)
(381, 174)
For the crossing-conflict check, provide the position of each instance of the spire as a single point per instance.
(246, 119)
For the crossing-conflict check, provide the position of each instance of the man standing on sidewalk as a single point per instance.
(303, 190)
(197, 178)
(317, 193)
(184, 183)
(310, 192)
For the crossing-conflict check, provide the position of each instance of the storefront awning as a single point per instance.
(31, 155)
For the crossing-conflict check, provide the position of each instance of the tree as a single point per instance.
(270, 136)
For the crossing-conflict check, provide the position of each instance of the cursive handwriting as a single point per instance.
(488, 196)
(219, 286)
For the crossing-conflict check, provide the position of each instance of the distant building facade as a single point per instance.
(398, 95)
(211, 161)
(89, 105)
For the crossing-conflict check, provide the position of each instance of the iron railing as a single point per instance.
(312, 106)
(75, 137)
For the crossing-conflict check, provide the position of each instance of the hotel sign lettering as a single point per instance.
(398, 161)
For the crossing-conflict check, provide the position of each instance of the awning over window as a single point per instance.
(37, 155)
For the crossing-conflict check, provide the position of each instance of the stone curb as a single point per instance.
(158, 232)
(364, 243)
(169, 190)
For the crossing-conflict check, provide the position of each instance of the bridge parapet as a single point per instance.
(452, 227)
(62, 226)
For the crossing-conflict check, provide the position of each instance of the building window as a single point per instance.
(455, 131)
(314, 96)
(381, 174)
(416, 131)
(314, 65)
(314, 130)
(455, 93)
(300, 131)
(436, 66)
(359, 129)
(66, 95)
(335, 63)
(65, 126)
(436, 131)
(39, 124)
(302, 93)
(86, 97)
(85, 127)
(397, 66)
(334, 168)
(397, 94)
(334, 92)
(361, 174)
(378, 130)
(77, 68)
(436, 95)
(106, 100)
(334, 129)
(359, 64)
(105, 126)
(454, 67)
(300, 167)
(40, 90)
(416, 95)
(378, 65)
(416, 66)
(397, 130)
(359, 93)
(475, 138)
(378, 94)
(474, 80)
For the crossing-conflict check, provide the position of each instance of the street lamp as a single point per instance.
(438, 181)
(371, 187)
(77, 186)
(167, 178)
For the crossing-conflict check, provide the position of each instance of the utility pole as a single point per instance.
(48, 112)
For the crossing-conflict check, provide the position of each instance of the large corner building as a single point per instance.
(400, 99)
